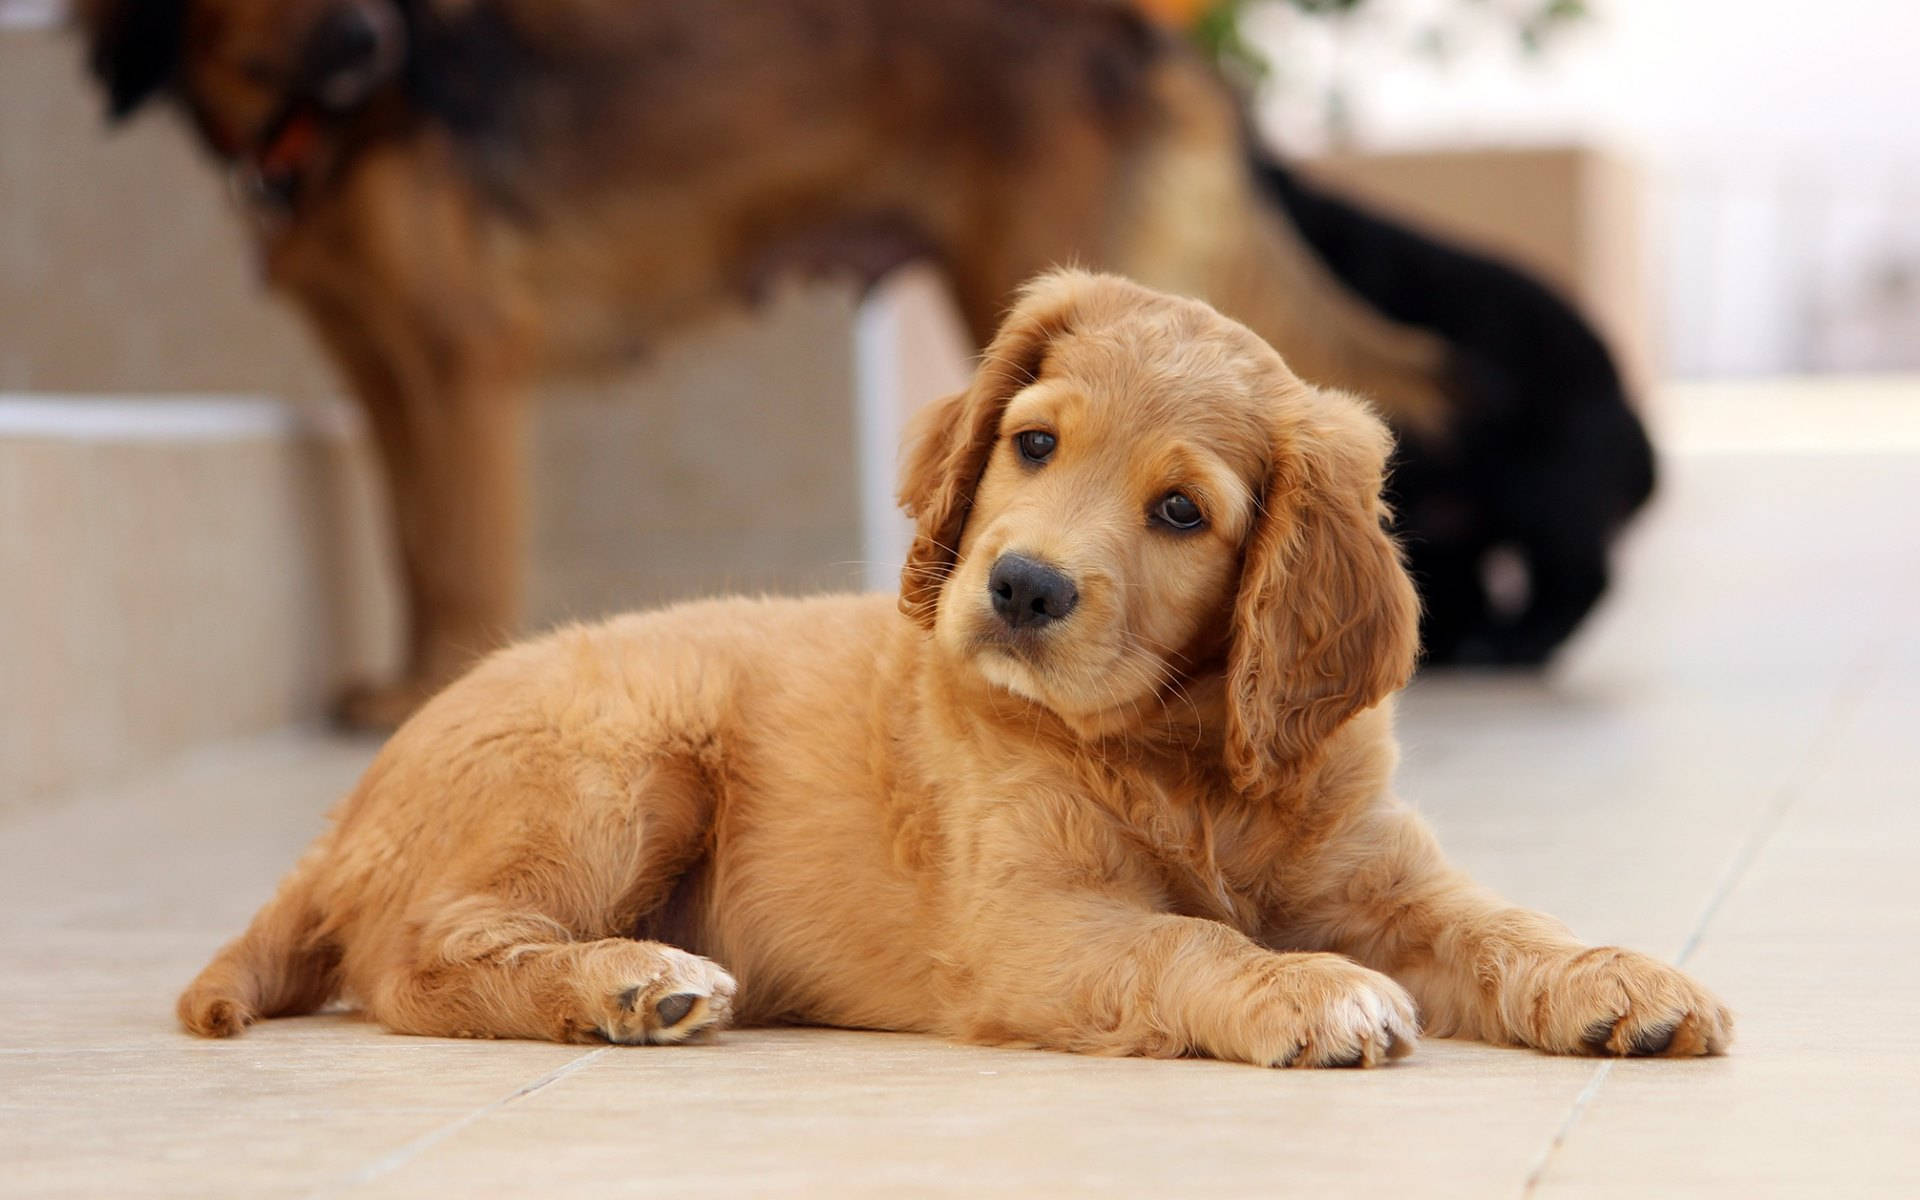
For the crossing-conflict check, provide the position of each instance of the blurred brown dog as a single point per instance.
(1113, 776)
(460, 193)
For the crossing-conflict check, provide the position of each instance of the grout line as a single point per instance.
(1743, 859)
(401, 1156)
(1579, 1109)
(1845, 706)
(1847, 701)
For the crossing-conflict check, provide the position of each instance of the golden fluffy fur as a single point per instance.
(1160, 824)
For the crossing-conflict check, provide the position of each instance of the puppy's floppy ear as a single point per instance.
(134, 47)
(1326, 622)
(949, 441)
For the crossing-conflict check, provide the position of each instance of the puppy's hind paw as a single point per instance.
(689, 997)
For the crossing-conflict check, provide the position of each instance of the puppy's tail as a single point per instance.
(283, 965)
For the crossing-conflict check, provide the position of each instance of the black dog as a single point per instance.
(1544, 460)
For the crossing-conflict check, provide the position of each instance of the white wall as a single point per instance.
(1781, 143)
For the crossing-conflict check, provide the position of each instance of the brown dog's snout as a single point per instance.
(356, 48)
(1028, 593)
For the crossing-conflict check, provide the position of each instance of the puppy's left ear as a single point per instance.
(950, 440)
(134, 47)
(1326, 623)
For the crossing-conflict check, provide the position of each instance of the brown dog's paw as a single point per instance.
(1329, 1011)
(1618, 1003)
(379, 708)
(673, 998)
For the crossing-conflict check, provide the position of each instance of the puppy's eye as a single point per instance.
(1035, 445)
(1177, 510)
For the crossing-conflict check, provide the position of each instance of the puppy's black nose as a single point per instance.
(1029, 593)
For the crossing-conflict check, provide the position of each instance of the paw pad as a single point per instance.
(674, 1009)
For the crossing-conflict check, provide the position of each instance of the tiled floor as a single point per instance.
(1725, 769)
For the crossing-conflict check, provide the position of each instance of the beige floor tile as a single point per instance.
(197, 845)
(1618, 818)
(1815, 947)
(813, 1112)
(258, 1150)
(1755, 572)
(288, 1067)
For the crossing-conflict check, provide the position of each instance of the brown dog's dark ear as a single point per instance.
(949, 441)
(1326, 622)
(134, 47)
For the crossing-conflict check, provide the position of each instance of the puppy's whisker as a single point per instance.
(1158, 647)
(1162, 676)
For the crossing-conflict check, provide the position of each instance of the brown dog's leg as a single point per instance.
(453, 453)
(450, 453)
(440, 356)
(1480, 967)
(1111, 979)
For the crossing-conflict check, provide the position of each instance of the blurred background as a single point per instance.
(1775, 164)
(190, 530)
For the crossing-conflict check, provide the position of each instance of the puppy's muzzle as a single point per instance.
(1029, 594)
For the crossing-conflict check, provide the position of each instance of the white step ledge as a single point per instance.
(180, 419)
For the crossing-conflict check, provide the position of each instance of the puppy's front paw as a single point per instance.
(1615, 1002)
(675, 998)
(1323, 1010)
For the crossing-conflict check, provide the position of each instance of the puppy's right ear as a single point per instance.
(134, 47)
(950, 440)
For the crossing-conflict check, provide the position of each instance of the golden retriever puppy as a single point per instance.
(1114, 776)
